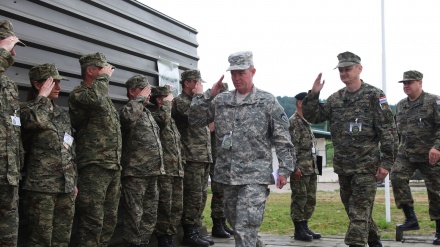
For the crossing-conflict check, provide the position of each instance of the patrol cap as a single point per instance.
(412, 75)
(97, 59)
(7, 30)
(137, 81)
(44, 71)
(347, 59)
(240, 60)
(300, 96)
(191, 75)
(160, 91)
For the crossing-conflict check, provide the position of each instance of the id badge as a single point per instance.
(68, 140)
(227, 141)
(15, 121)
(313, 150)
(355, 128)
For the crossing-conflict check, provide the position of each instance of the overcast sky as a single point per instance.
(294, 40)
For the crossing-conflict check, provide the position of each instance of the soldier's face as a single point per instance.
(242, 79)
(412, 88)
(350, 74)
(54, 94)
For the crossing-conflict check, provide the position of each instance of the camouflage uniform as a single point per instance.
(98, 152)
(418, 126)
(357, 154)
(142, 162)
(10, 146)
(303, 199)
(244, 168)
(50, 166)
(170, 184)
(196, 143)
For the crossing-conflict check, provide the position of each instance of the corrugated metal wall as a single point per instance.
(131, 35)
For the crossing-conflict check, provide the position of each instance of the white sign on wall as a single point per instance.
(169, 75)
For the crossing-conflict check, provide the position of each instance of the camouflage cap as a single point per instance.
(412, 75)
(160, 91)
(191, 75)
(44, 71)
(7, 30)
(97, 59)
(347, 59)
(137, 81)
(300, 96)
(240, 60)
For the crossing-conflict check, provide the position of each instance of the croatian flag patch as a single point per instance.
(438, 101)
(383, 99)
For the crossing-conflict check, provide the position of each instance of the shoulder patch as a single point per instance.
(437, 101)
(284, 117)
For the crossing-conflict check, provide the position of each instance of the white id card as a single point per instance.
(68, 139)
(15, 121)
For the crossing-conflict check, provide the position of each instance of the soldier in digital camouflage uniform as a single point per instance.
(304, 180)
(51, 175)
(10, 144)
(171, 183)
(98, 152)
(418, 126)
(142, 163)
(248, 122)
(365, 141)
(196, 143)
(219, 227)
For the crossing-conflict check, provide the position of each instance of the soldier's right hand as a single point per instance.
(9, 43)
(107, 70)
(170, 97)
(46, 88)
(317, 85)
(145, 92)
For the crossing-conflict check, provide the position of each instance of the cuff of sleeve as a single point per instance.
(284, 172)
(140, 99)
(311, 95)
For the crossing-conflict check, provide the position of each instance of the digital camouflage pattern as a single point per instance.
(303, 198)
(170, 209)
(240, 60)
(190, 75)
(217, 205)
(137, 81)
(412, 75)
(347, 59)
(11, 151)
(364, 139)
(44, 71)
(94, 59)
(418, 126)
(7, 30)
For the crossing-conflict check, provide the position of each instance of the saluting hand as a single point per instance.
(107, 70)
(9, 43)
(317, 85)
(169, 97)
(47, 87)
(217, 86)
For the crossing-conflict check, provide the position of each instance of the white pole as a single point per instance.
(384, 88)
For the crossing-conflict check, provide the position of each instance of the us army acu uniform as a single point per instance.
(364, 138)
(50, 166)
(170, 184)
(98, 152)
(245, 132)
(303, 198)
(418, 126)
(10, 144)
(142, 163)
(196, 143)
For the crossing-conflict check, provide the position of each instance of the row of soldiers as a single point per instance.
(86, 160)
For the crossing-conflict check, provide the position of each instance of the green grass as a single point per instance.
(330, 218)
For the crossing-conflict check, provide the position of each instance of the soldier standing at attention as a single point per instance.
(51, 175)
(418, 126)
(142, 163)
(10, 144)
(248, 122)
(362, 128)
(98, 152)
(170, 184)
(304, 180)
(196, 143)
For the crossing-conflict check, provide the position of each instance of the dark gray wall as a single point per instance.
(131, 35)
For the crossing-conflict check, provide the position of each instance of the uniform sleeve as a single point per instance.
(281, 140)
(201, 112)
(36, 114)
(437, 123)
(94, 96)
(295, 137)
(131, 112)
(386, 128)
(314, 111)
(163, 115)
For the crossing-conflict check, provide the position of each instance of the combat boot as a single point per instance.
(191, 237)
(165, 241)
(375, 243)
(437, 233)
(217, 229)
(225, 226)
(300, 233)
(306, 228)
(411, 222)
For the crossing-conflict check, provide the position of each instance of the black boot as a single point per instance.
(191, 237)
(411, 222)
(210, 242)
(306, 228)
(375, 243)
(218, 230)
(437, 233)
(161, 241)
(300, 233)
(225, 226)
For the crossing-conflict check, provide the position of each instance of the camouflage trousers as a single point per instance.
(8, 215)
(303, 198)
(99, 191)
(402, 172)
(170, 207)
(50, 218)
(357, 194)
(195, 191)
(217, 206)
(140, 198)
(244, 209)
